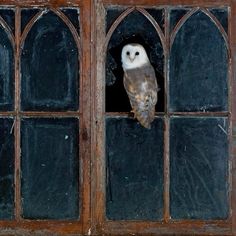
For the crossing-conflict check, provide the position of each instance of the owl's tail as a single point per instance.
(143, 106)
(145, 117)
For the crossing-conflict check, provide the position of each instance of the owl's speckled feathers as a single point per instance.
(140, 83)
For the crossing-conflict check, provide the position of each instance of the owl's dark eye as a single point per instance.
(137, 53)
(128, 53)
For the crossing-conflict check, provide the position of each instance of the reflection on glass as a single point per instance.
(199, 168)
(198, 67)
(49, 163)
(134, 164)
(6, 72)
(6, 169)
(49, 67)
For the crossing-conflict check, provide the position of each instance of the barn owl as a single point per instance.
(140, 83)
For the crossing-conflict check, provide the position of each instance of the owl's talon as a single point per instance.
(132, 114)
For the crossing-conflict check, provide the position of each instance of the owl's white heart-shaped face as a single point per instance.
(133, 56)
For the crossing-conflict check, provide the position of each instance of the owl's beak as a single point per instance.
(131, 58)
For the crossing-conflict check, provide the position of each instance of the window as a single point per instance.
(73, 160)
(174, 178)
(44, 130)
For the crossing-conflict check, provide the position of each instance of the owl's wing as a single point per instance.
(141, 87)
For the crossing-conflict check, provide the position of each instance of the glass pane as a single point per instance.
(198, 67)
(134, 163)
(73, 16)
(49, 162)
(135, 28)
(111, 15)
(49, 67)
(158, 15)
(9, 16)
(6, 169)
(175, 16)
(6, 72)
(199, 168)
(27, 15)
(222, 15)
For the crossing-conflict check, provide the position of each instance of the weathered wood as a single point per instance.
(54, 3)
(168, 2)
(98, 158)
(92, 44)
(85, 121)
(167, 226)
(17, 119)
(53, 227)
(171, 228)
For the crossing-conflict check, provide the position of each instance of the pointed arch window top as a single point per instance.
(217, 16)
(66, 16)
(6, 67)
(199, 65)
(116, 16)
(134, 25)
(52, 53)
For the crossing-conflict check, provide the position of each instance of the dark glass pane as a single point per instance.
(73, 16)
(6, 169)
(135, 28)
(175, 16)
(199, 168)
(27, 15)
(49, 66)
(6, 72)
(9, 16)
(49, 165)
(158, 15)
(134, 164)
(111, 15)
(222, 15)
(198, 67)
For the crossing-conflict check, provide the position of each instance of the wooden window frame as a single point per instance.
(91, 113)
(167, 226)
(48, 227)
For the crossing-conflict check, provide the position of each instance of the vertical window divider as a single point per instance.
(98, 158)
(17, 112)
(85, 118)
(166, 193)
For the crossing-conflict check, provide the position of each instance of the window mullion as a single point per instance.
(17, 117)
(166, 120)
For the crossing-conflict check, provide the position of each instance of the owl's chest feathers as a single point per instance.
(140, 78)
